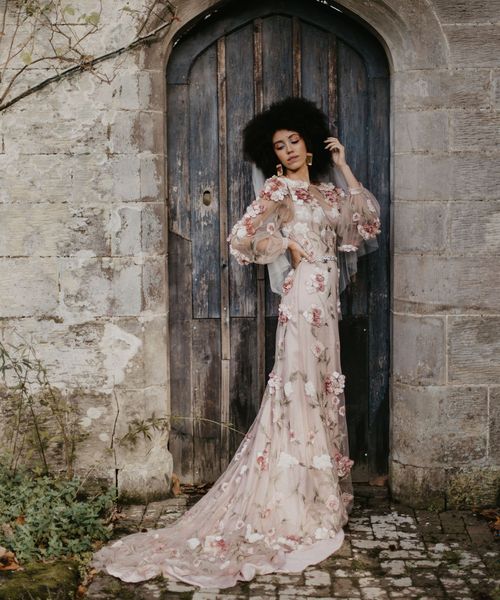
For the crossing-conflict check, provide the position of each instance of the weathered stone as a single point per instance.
(442, 89)
(149, 131)
(474, 130)
(421, 130)
(439, 425)
(463, 11)
(419, 349)
(417, 486)
(473, 44)
(496, 90)
(472, 485)
(420, 226)
(475, 228)
(444, 284)
(473, 344)
(112, 286)
(152, 170)
(457, 176)
(29, 287)
(494, 425)
(41, 234)
(423, 177)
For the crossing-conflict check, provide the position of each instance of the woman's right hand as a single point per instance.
(297, 253)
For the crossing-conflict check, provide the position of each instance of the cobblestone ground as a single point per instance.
(390, 552)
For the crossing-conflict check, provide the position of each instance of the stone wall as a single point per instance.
(82, 207)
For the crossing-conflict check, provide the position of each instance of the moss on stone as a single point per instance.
(41, 581)
(473, 488)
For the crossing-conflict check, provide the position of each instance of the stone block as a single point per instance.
(53, 230)
(438, 425)
(100, 286)
(95, 425)
(457, 176)
(418, 487)
(147, 366)
(495, 91)
(154, 231)
(475, 228)
(494, 426)
(149, 132)
(154, 285)
(464, 11)
(152, 177)
(125, 228)
(73, 353)
(473, 349)
(152, 83)
(126, 176)
(420, 226)
(48, 131)
(419, 349)
(144, 466)
(472, 486)
(475, 176)
(29, 287)
(436, 88)
(444, 284)
(473, 45)
(474, 130)
(425, 130)
(121, 126)
(137, 228)
(423, 177)
(86, 186)
(39, 179)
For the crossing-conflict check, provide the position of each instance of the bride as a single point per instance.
(287, 493)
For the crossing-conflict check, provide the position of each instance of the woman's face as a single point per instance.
(290, 148)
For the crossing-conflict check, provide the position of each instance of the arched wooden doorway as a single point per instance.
(222, 317)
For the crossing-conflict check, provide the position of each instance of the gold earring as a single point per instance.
(309, 158)
(279, 169)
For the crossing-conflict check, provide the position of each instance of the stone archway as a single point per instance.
(414, 40)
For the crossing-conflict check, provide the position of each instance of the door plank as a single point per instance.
(180, 315)
(179, 209)
(203, 185)
(206, 386)
(240, 109)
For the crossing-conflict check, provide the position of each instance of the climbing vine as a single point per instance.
(44, 41)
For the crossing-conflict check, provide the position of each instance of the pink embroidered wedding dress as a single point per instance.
(283, 500)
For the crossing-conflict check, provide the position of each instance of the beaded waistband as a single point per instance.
(325, 258)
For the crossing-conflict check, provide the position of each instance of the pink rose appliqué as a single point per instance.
(334, 383)
(288, 282)
(284, 313)
(344, 464)
(316, 281)
(314, 315)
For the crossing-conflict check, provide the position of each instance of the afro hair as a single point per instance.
(295, 114)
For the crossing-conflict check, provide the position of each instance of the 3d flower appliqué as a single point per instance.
(314, 315)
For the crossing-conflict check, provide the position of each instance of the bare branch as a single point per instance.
(74, 52)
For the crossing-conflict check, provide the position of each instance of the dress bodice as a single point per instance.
(314, 216)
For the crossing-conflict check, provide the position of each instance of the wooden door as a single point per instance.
(223, 316)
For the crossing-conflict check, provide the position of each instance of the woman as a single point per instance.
(284, 498)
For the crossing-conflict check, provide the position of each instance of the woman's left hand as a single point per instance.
(337, 150)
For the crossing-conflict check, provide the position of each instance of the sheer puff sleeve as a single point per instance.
(256, 237)
(357, 225)
(359, 220)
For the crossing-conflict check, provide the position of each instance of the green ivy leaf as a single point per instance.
(69, 9)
